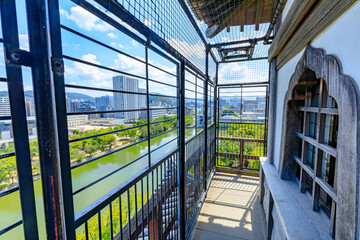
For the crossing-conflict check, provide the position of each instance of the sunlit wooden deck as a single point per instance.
(231, 210)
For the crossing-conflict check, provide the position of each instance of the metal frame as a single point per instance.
(19, 123)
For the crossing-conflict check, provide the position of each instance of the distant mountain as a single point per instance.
(74, 96)
(71, 96)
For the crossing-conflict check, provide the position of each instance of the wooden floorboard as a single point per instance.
(231, 209)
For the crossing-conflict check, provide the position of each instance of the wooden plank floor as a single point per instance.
(231, 210)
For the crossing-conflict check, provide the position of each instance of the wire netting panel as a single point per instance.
(246, 72)
(168, 20)
(242, 104)
(212, 69)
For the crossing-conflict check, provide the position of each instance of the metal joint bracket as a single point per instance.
(57, 65)
(148, 42)
(17, 56)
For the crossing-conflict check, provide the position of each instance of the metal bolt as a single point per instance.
(15, 56)
(58, 65)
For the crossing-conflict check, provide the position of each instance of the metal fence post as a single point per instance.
(216, 120)
(18, 119)
(206, 116)
(46, 118)
(61, 111)
(182, 174)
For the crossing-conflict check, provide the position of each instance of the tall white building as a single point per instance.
(4, 106)
(30, 106)
(142, 98)
(125, 101)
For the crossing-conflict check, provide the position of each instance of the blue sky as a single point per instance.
(76, 73)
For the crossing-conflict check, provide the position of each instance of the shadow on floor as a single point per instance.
(231, 210)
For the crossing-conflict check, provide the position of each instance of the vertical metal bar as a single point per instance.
(153, 208)
(111, 222)
(158, 208)
(129, 212)
(217, 114)
(181, 168)
(86, 231)
(60, 100)
(120, 217)
(196, 104)
(19, 122)
(148, 204)
(148, 99)
(206, 118)
(45, 119)
(136, 217)
(160, 222)
(142, 208)
(266, 119)
(99, 224)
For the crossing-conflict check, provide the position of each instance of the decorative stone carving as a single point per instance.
(346, 93)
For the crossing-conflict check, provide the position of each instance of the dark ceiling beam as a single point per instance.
(278, 10)
(253, 40)
(257, 15)
(244, 60)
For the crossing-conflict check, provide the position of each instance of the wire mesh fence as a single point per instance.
(242, 127)
(169, 21)
(246, 72)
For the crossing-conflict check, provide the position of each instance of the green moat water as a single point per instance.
(10, 211)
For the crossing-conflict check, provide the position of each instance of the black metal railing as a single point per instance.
(146, 205)
(240, 145)
(143, 207)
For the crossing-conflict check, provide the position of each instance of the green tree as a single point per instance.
(90, 148)
(110, 140)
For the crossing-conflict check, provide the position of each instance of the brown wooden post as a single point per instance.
(241, 154)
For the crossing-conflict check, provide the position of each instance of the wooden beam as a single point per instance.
(325, 13)
(297, 11)
(257, 15)
(304, 22)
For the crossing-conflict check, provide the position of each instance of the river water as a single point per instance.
(10, 211)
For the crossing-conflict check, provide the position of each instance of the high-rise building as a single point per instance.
(142, 98)
(30, 106)
(103, 103)
(125, 101)
(74, 106)
(4, 106)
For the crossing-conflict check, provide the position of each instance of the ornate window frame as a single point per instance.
(346, 93)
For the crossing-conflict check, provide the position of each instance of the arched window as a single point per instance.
(316, 137)
(320, 140)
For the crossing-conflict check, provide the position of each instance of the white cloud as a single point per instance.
(24, 41)
(27, 87)
(134, 43)
(111, 35)
(90, 58)
(85, 20)
(87, 75)
(129, 65)
(120, 45)
(188, 50)
(147, 22)
(225, 39)
(113, 44)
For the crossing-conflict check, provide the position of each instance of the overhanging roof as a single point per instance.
(221, 14)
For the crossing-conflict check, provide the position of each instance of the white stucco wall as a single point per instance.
(340, 39)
